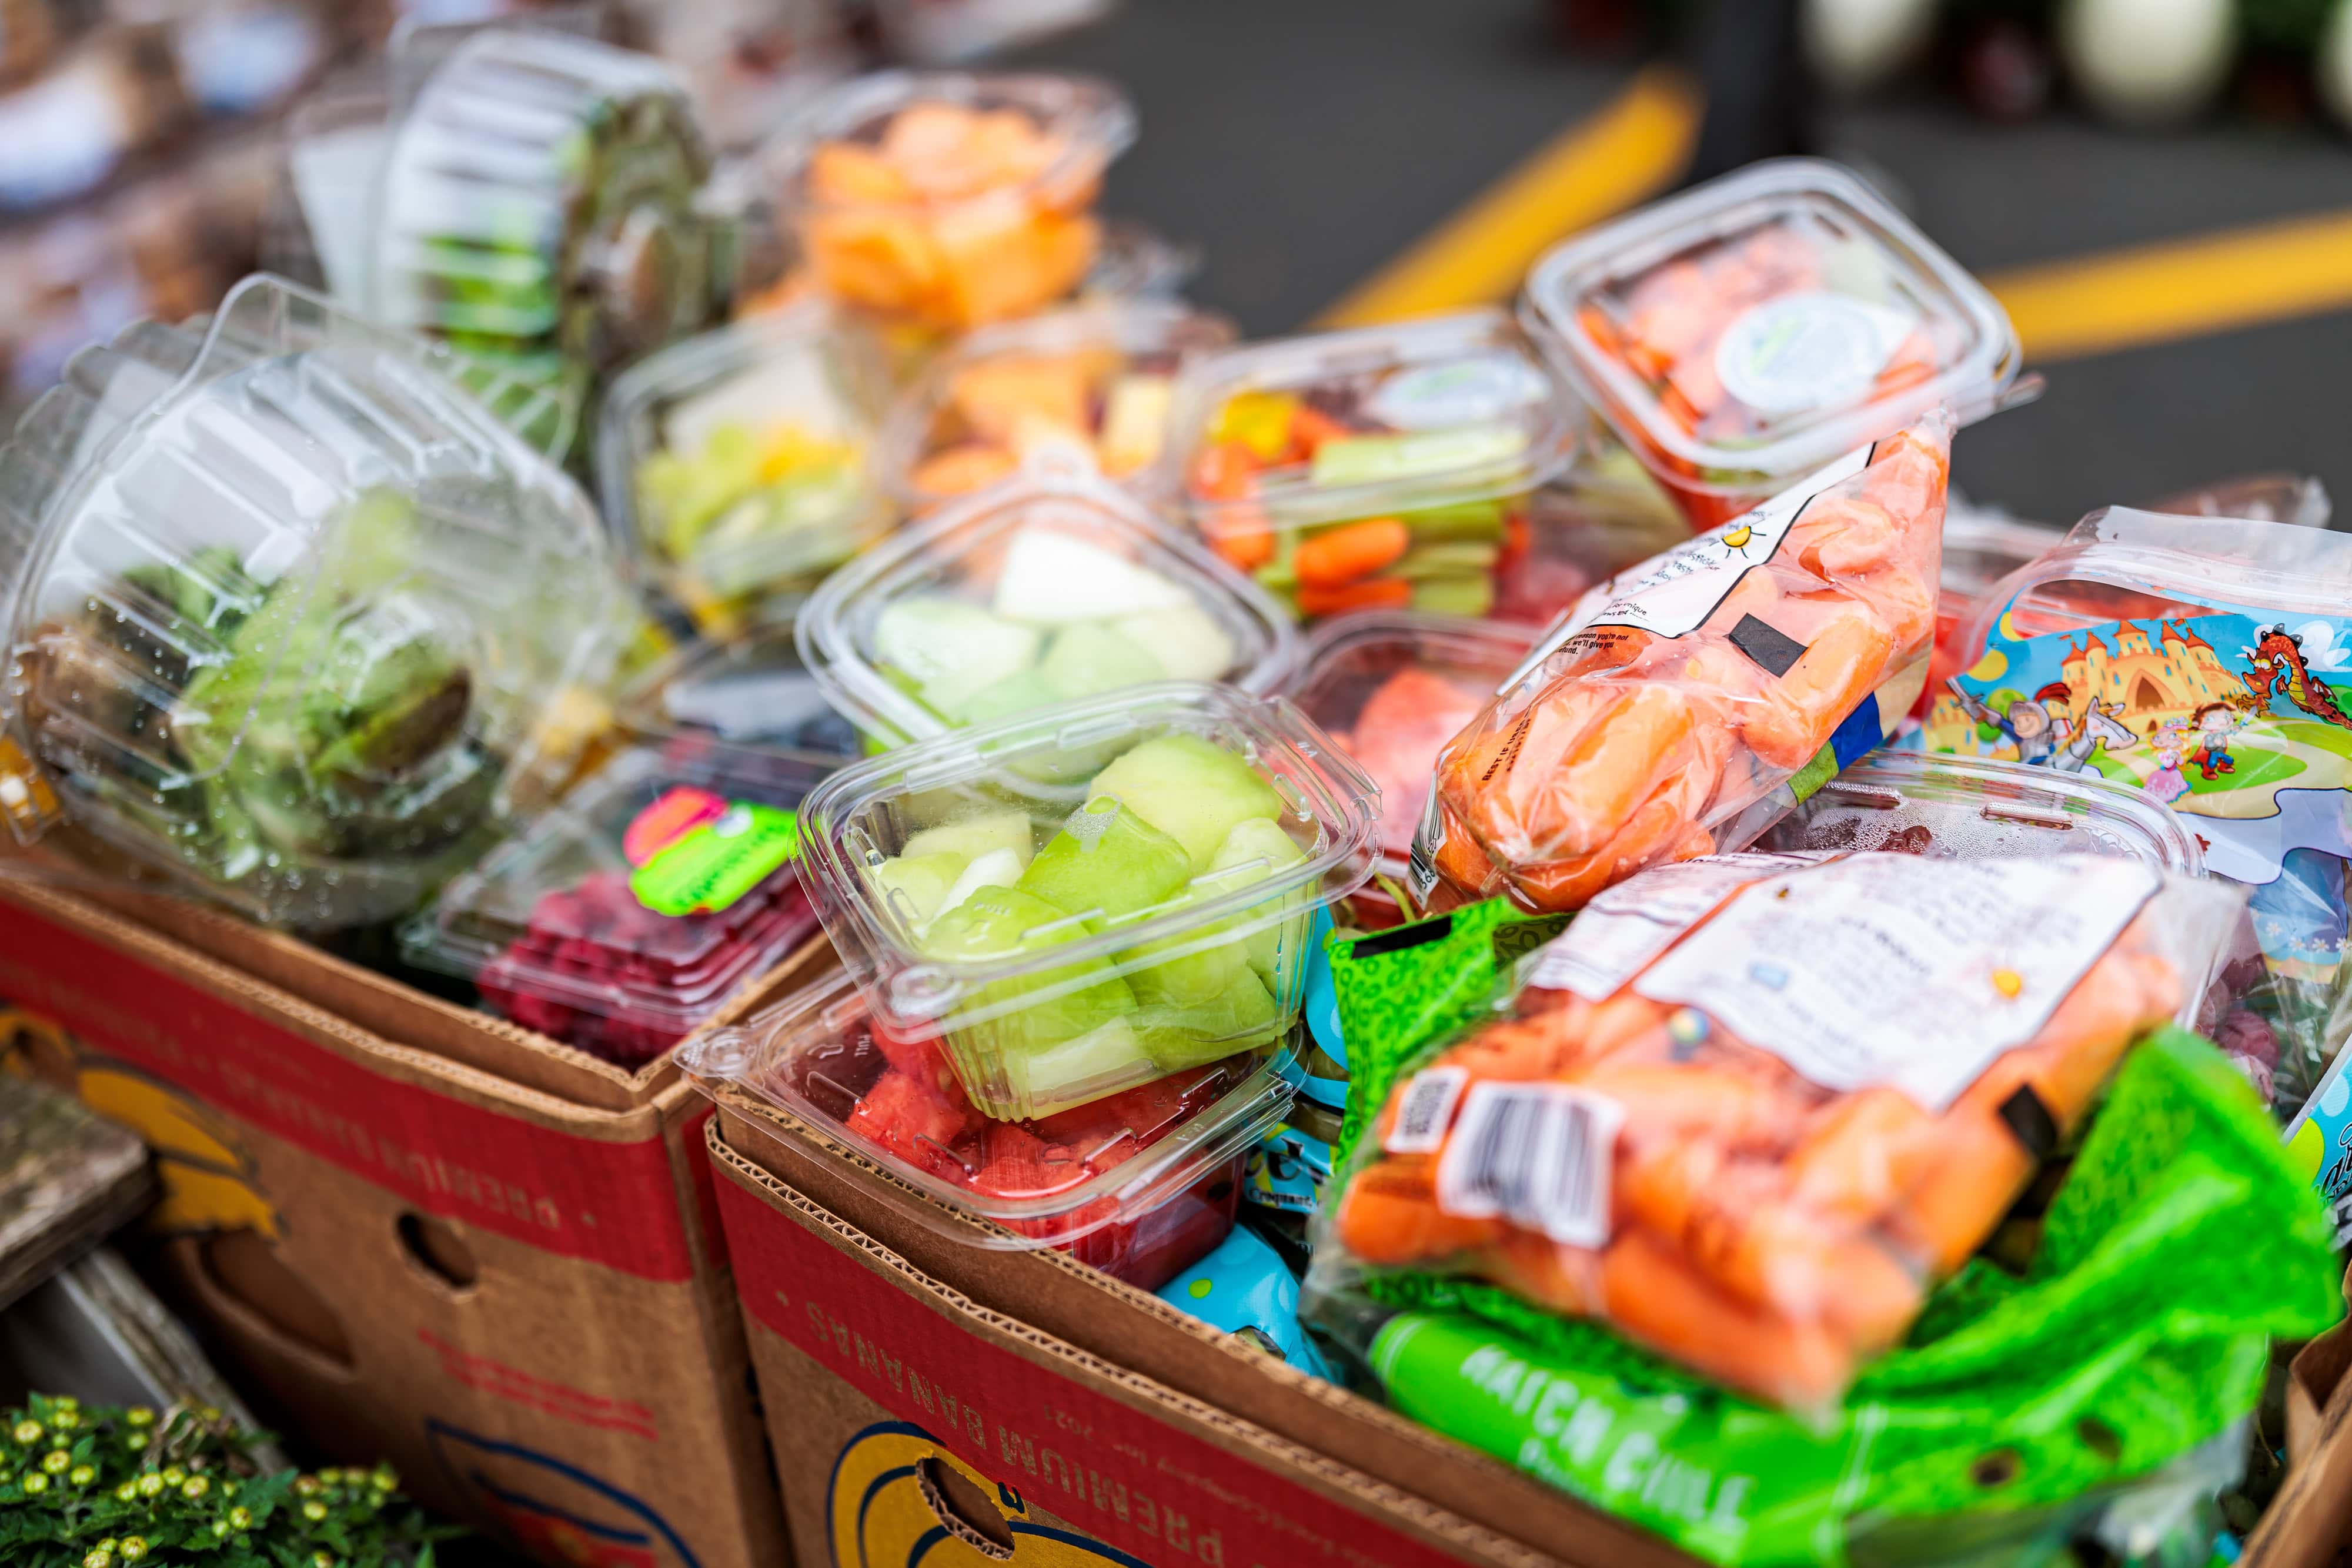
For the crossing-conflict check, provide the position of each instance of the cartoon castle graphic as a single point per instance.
(2147, 677)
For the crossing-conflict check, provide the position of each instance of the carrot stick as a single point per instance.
(1244, 541)
(1342, 555)
(1310, 428)
(1372, 593)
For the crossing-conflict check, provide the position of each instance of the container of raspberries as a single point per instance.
(1140, 1185)
(1080, 901)
(620, 920)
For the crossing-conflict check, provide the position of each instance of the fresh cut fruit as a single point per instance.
(1192, 789)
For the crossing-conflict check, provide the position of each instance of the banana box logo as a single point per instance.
(890, 1508)
(207, 1175)
(557, 1510)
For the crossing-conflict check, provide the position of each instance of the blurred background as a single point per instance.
(2160, 190)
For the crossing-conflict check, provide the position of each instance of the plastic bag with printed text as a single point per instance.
(1750, 1109)
(2193, 661)
(1682, 705)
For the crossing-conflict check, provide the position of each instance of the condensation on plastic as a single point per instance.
(1358, 363)
(1139, 1186)
(953, 261)
(1614, 750)
(538, 205)
(1042, 766)
(1788, 228)
(1765, 1231)
(958, 553)
(733, 704)
(547, 925)
(1981, 807)
(291, 618)
(833, 374)
(1103, 343)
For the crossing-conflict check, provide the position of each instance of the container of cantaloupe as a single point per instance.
(1093, 896)
(1052, 587)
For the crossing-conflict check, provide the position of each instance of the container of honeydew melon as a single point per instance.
(1053, 587)
(1090, 897)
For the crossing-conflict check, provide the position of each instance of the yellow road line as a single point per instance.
(2180, 288)
(1628, 152)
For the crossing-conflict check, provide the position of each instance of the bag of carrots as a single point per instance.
(1682, 706)
(1750, 1109)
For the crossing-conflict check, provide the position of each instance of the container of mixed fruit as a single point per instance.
(738, 465)
(1381, 468)
(1141, 1183)
(292, 620)
(1392, 686)
(538, 207)
(621, 919)
(1094, 897)
(1095, 376)
(947, 200)
(731, 703)
(1744, 334)
(1049, 589)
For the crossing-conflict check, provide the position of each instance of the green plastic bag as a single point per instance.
(2180, 1243)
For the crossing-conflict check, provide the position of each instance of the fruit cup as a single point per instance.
(732, 703)
(293, 620)
(1098, 375)
(738, 465)
(1055, 587)
(1743, 334)
(948, 200)
(1381, 468)
(1140, 1185)
(1092, 897)
(1392, 686)
(621, 919)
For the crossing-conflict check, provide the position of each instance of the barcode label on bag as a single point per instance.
(1425, 1111)
(1535, 1154)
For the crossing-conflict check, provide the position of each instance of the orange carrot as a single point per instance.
(1224, 471)
(1310, 428)
(1372, 593)
(1245, 540)
(1352, 550)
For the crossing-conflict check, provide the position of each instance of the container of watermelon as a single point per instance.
(738, 465)
(1377, 468)
(1140, 1185)
(1053, 587)
(1392, 688)
(622, 918)
(1086, 899)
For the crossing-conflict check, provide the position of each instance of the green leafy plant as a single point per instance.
(106, 1487)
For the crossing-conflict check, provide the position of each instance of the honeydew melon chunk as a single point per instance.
(1241, 1015)
(1102, 1061)
(1086, 658)
(924, 880)
(997, 868)
(1108, 858)
(1015, 693)
(950, 649)
(1001, 921)
(1253, 850)
(1193, 790)
(975, 836)
(1186, 980)
(1052, 578)
(1184, 638)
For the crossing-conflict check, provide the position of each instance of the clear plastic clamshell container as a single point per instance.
(732, 703)
(290, 617)
(1978, 807)
(1140, 1185)
(1052, 587)
(538, 205)
(1377, 468)
(1392, 688)
(1099, 376)
(1742, 334)
(740, 465)
(1094, 897)
(622, 918)
(948, 199)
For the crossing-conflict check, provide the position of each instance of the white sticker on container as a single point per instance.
(1625, 927)
(1807, 351)
(1672, 594)
(1535, 1154)
(1890, 970)
(1425, 1111)
(1460, 391)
